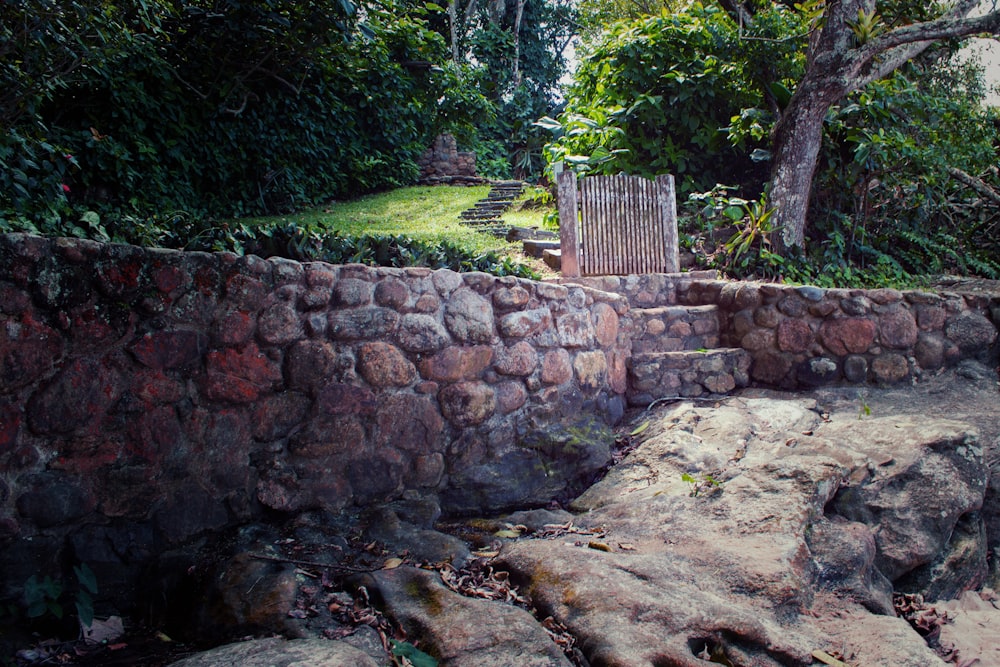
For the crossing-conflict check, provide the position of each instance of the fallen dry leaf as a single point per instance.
(828, 659)
(102, 632)
(507, 534)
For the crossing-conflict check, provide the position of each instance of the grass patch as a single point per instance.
(534, 208)
(426, 214)
(423, 213)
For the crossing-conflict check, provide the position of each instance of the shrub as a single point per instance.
(216, 109)
(656, 96)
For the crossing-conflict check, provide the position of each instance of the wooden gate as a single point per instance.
(617, 225)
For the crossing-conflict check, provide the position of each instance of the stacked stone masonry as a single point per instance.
(444, 160)
(155, 394)
(185, 391)
(803, 336)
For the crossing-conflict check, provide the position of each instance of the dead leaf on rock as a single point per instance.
(102, 632)
(560, 634)
(480, 580)
(508, 534)
(828, 659)
(552, 530)
(392, 563)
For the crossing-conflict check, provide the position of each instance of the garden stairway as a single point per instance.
(676, 354)
(486, 213)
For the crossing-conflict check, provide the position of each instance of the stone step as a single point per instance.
(496, 231)
(674, 328)
(493, 227)
(687, 374)
(537, 247)
(552, 258)
(485, 213)
(525, 233)
(649, 290)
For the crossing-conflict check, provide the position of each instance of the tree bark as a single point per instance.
(836, 66)
(798, 137)
(977, 184)
(453, 21)
(518, 16)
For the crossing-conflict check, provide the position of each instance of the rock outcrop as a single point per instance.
(758, 530)
(755, 528)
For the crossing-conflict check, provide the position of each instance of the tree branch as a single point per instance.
(976, 184)
(892, 60)
(297, 89)
(887, 52)
(737, 11)
(954, 23)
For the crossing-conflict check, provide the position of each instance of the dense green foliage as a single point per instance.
(518, 70)
(309, 243)
(693, 94)
(212, 107)
(886, 205)
(656, 95)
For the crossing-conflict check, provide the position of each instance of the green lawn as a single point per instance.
(420, 212)
(423, 213)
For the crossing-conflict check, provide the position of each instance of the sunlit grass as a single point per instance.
(528, 217)
(426, 213)
(420, 212)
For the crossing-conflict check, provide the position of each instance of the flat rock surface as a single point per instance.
(278, 652)
(759, 529)
(464, 630)
(765, 529)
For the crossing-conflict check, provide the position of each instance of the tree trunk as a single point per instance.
(837, 64)
(519, 14)
(453, 21)
(798, 137)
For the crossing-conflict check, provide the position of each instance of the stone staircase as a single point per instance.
(486, 213)
(675, 347)
(676, 354)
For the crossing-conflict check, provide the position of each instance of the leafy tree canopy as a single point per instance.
(514, 53)
(707, 92)
(213, 107)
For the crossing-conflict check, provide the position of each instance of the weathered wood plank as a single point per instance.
(568, 219)
(627, 224)
(667, 199)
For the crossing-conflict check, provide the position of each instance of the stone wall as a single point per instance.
(806, 336)
(148, 396)
(173, 393)
(444, 159)
(803, 336)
